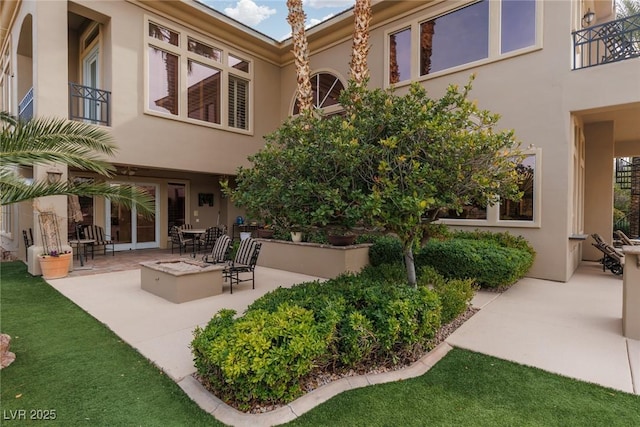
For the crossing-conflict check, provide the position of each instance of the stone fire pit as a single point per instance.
(181, 280)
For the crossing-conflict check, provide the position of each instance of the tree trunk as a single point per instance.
(411, 266)
(360, 46)
(296, 19)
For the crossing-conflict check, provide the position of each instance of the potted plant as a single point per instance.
(54, 261)
(265, 232)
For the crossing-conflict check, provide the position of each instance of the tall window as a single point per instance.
(200, 95)
(400, 56)
(454, 39)
(326, 90)
(518, 24)
(204, 92)
(238, 102)
(523, 209)
(163, 81)
(6, 219)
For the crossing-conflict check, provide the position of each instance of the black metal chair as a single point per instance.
(244, 262)
(220, 251)
(612, 259)
(178, 240)
(95, 232)
(28, 241)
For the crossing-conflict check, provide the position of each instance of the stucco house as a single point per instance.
(189, 93)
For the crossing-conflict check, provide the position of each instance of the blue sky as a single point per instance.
(270, 16)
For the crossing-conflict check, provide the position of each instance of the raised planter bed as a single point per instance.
(181, 280)
(313, 259)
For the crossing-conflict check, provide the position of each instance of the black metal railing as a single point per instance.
(89, 104)
(605, 43)
(25, 107)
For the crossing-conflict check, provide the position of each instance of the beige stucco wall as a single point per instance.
(598, 185)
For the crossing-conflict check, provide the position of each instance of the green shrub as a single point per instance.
(261, 356)
(389, 273)
(385, 250)
(455, 294)
(483, 260)
(505, 239)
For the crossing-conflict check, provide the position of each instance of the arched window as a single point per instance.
(326, 89)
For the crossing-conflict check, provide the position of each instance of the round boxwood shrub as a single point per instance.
(490, 264)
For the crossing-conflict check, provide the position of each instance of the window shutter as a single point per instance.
(238, 103)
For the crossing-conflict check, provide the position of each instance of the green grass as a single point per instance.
(69, 362)
(470, 389)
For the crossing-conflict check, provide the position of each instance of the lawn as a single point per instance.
(70, 363)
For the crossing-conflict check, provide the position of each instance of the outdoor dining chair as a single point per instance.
(220, 251)
(177, 239)
(244, 262)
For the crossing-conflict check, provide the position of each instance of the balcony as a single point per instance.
(612, 41)
(89, 104)
(86, 104)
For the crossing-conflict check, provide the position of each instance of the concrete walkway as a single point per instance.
(573, 329)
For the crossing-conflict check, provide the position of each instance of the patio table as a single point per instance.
(195, 234)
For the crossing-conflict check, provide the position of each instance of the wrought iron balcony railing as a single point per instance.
(25, 108)
(612, 41)
(89, 104)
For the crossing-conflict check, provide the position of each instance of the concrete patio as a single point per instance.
(573, 329)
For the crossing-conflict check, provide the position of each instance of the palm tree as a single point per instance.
(296, 19)
(75, 144)
(360, 46)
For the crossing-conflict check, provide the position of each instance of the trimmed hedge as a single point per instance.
(347, 322)
(490, 264)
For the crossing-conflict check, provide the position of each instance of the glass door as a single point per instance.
(129, 229)
(91, 78)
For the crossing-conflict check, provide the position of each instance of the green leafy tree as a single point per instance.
(75, 144)
(306, 176)
(420, 156)
(392, 160)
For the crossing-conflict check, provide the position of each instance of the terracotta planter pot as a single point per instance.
(347, 240)
(55, 267)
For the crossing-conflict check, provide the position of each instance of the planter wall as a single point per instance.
(324, 261)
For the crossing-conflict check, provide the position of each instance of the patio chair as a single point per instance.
(95, 232)
(624, 238)
(220, 251)
(244, 262)
(177, 239)
(28, 241)
(210, 237)
(612, 258)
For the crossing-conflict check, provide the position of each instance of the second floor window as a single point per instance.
(186, 77)
(326, 89)
(480, 31)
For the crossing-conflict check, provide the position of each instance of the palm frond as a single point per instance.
(13, 189)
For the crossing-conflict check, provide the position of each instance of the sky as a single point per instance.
(270, 16)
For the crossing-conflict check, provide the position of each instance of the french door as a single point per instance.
(91, 79)
(130, 230)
